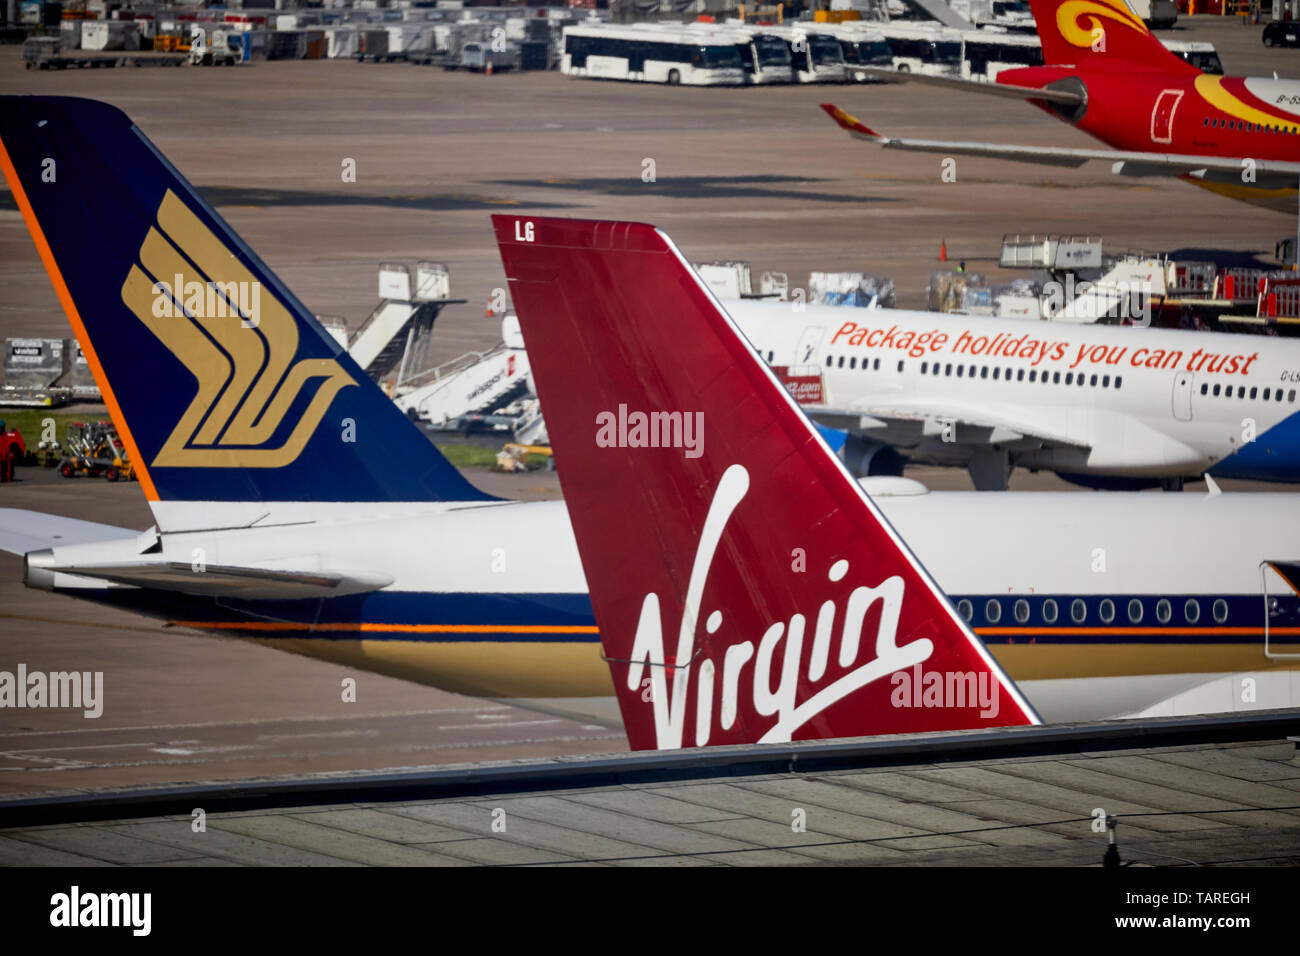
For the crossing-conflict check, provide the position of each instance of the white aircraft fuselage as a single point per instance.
(1086, 400)
(1114, 599)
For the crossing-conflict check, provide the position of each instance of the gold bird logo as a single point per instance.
(205, 306)
(1079, 24)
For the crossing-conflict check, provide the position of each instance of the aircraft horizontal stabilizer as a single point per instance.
(261, 584)
(22, 531)
(1006, 90)
(1123, 162)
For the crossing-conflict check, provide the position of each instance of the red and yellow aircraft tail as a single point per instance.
(1103, 35)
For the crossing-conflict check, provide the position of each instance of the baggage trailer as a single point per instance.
(46, 53)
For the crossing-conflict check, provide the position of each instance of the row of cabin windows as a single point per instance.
(1020, 375)
(1032, 375)
(982, 371)
(1226, 391)
(1105, 610)
(853, 363)
(1214, 123)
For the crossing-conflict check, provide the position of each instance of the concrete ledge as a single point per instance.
(648, 767)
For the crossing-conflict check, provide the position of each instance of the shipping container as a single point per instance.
(342, 41)
(109, 35)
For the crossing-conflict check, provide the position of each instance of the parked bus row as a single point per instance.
(733, 54)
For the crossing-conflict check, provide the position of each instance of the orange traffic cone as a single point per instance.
(487, 69)
(943, 251)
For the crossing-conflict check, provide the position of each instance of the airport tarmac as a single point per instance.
(753, 174)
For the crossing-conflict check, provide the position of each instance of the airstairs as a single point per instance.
(458, 393)
(395, 338)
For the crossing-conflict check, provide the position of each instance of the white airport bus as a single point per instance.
(1201, 55)
(765, 57)
(652, 55)
(862, 45)
(1158, 14)
(816, 55)
(930, 51)
(986, 53)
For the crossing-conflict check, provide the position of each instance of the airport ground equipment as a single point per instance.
(32, 366)
(852, 289)
(1051, 252)
(513, 457)
(46, 373)
(530, 426)
(395, 338)
(734, 280)
(12, 449)
(213, 47)
(49, 452)
(1075, 282)
(47, 53)
(170, 43)
(458, 394)
(484, 58)
(94, 449)
(392, 346)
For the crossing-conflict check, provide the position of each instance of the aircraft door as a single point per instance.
(1162, 116)
(1281, 612)
(806, 353)
(1183, 396)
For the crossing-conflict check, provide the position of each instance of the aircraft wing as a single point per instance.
(1123, 162)
(22, 531)
(986, 425)
(1007, 90)
(1109, 437)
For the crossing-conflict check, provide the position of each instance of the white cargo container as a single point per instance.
(409, 37)
(109, 35)
(70, 34)
(342, 42)
(728, 280)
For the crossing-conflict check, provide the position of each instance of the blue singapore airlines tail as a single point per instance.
(221, 383)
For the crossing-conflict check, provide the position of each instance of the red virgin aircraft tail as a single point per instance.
(746, 589)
